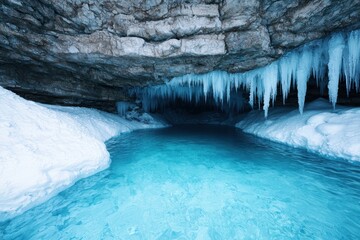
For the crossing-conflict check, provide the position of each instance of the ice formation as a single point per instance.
(328, 61)
(44, 149)
(123, 107)
(336, 47)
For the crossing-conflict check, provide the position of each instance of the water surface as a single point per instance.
(202, 182)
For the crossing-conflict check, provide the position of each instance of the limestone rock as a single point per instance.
(86, 52)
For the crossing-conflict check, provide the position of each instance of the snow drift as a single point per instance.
(44, 149)
(320, 129)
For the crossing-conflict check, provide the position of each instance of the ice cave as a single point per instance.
(178, 119)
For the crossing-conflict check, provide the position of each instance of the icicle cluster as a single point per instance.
(123, 107)
(198, 91)
(326, 60)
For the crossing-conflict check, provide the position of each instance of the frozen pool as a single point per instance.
(202, 182)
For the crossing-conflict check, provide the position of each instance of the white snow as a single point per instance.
(320, 129)
(338, 55)
(44, 149)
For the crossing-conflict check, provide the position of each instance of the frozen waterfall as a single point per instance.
(327, 60)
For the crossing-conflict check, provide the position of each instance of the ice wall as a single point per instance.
(328, 61)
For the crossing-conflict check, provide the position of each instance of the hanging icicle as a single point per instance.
(338, 55)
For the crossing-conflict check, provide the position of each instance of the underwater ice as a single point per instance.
(338, 57)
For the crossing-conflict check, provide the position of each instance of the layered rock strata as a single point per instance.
(85, 52)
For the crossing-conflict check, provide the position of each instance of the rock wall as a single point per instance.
(87, 52)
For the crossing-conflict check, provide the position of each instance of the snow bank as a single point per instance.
(44, 149)
(320, 129)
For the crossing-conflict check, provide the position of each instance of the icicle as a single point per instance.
(122, 108)
(206, 86)
(287, 67)
(346, 68)
(252, 93)
(269, 79)
(227, 91)
(337, 55)
(336, 46)
(217, 86)
(354, 59)
(320, 59)
(302, 76)
(259, 90)
(293, 64)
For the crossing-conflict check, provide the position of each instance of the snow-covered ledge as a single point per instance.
(44, 149)
(320, 129)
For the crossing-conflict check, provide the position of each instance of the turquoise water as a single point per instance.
(202, 182)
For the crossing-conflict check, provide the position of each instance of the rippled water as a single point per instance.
(196, 182)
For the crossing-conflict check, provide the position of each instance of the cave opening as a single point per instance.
(179, 110)
(179, 119)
